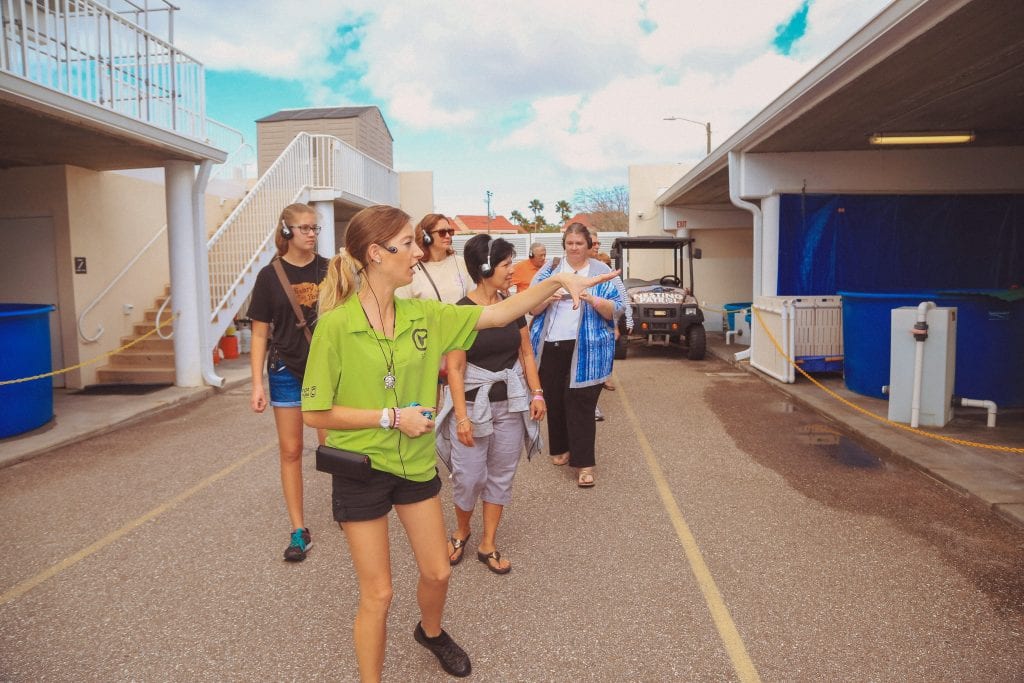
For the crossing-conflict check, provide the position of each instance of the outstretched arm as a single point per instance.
(504, 312)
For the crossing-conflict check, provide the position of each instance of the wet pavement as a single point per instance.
(736, 532)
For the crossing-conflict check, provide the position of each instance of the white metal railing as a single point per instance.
(244, 242)
(89, 51)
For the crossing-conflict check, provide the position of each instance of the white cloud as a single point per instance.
(579, 90)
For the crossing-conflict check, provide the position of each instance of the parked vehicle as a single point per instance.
(665, 310)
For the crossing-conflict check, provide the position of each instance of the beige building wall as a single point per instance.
(39, 193)
(107, 218)
(645, 184)
(724, 274)
(416, 193)
(112, 217)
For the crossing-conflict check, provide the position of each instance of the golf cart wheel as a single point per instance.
(696, 342)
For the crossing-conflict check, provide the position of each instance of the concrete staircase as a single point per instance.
(151, 361)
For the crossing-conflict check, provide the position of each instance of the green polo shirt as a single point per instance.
(347, 363)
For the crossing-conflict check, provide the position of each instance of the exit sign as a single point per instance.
(680, 224)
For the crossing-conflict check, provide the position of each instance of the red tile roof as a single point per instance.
(465, 223)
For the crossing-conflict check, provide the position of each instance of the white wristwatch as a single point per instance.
(385, 419)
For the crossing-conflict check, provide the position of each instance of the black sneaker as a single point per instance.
(453, 658)
(300, 543)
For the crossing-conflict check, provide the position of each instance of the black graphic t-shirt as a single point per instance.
(495, 349)
(270, 305)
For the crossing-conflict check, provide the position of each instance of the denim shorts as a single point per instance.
(285, 388)
(353, 500)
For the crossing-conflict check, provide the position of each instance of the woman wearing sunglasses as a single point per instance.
(303, 269)
(441, 274)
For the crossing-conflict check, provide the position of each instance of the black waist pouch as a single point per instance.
(344, 463)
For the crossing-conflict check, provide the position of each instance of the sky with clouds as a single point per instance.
(527, 99)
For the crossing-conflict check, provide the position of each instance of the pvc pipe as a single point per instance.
(979, 403)
(742, 355)
(922, 318)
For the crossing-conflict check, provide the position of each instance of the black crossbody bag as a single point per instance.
(344, 463)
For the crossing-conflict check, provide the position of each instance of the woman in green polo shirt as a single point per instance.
(373, 360)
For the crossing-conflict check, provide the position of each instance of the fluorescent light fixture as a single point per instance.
(958, 137)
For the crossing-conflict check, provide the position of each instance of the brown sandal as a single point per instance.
(458, 546)
(585, 480)
(560, 459)
(496, 556)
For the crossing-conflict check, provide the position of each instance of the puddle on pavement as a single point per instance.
(841, 448)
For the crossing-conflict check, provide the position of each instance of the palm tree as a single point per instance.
(518, 218)
(536, 206)
(564, 209)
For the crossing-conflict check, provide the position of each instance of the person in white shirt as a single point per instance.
(441, 273)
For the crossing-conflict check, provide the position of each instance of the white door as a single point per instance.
(31, 278)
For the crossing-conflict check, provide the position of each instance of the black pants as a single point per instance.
(571, 425)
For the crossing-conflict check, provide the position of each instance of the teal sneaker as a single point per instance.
(299, 545)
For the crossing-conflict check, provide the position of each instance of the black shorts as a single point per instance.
(360, 501)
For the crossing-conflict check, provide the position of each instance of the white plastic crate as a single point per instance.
(806, 327)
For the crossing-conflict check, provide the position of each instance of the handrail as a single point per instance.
(86, 50)
(159, 313)
(110, 285)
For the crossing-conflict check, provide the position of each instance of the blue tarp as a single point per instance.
(884, 243)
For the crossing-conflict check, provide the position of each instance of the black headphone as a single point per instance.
(286, 232)
(427, 239)
(486, 269)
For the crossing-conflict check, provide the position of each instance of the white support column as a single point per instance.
(178, 176)
(770, 208)
(325, 218)
(202, 260)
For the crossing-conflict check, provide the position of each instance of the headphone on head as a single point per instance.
(486, 269)
(286, 232)
(427, 238)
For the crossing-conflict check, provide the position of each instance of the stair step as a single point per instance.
(139, 329)
(153, 343)
(112, 375)
(149, 315)
(162, 360)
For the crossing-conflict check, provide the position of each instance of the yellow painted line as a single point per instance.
(734, 646)
(71, 560)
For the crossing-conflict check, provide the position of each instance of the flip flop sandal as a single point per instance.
(459, 545)
(496, 556)
(585, 480)
(560, 459)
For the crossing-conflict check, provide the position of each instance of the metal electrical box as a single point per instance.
(938, 371)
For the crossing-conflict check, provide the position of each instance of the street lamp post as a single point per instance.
(706, 126)
(489, 195)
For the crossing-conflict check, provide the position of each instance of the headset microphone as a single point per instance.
(486, 269)
(393, 250)
(286, 232)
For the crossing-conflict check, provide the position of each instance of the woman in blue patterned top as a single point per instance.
(574, 350)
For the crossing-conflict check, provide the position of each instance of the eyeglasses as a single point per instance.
(444, 232)
(305, 229)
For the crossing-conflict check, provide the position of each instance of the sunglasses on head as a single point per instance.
(444, 232)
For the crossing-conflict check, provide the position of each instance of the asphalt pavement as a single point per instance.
(738, 531)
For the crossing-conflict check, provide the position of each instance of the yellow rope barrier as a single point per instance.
(97, 359)
(881, 419)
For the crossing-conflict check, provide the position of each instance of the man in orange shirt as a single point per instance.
(523, 272)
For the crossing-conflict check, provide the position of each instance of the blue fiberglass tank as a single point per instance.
(989, 341)
(25, 340)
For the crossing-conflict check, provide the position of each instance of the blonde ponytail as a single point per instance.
(342, 281)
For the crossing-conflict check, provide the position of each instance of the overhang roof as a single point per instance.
(318, 113)
(920, 65)
(43, 127)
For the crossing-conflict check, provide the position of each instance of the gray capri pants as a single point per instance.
(485, 470)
